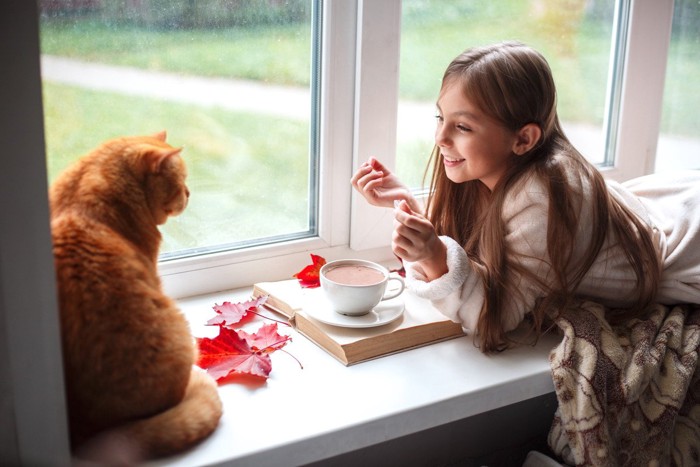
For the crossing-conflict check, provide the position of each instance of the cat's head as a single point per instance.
(140, 175)
(165, 173)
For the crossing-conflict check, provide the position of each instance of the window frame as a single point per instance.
(639, 119)
(34, 399)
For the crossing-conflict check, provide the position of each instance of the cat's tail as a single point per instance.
(183, 425)
(167, 433)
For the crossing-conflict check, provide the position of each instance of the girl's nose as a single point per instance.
(441, 136)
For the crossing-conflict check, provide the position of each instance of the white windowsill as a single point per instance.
(305, 415)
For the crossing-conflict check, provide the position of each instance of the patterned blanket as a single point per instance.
(628, 395)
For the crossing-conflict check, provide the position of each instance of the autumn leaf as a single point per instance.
(309, 277)
(266, 340)
(231, 313)
(236, 351)
(228, 352)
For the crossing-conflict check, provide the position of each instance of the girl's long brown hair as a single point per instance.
(513, 84)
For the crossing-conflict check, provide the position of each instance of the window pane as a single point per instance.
(679, 141)
(228, 79)
(574, 36)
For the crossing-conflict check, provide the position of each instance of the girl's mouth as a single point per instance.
(451, 161)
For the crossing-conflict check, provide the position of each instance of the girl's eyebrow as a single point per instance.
(460, 113)
(464, 113)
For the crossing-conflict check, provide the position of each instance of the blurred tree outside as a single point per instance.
(182, 14)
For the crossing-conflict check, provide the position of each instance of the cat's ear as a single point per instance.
(161, 135)
(154, 159)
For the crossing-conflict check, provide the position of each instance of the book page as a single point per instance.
(417, 312)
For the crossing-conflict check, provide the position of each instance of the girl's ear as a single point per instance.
(526, 138)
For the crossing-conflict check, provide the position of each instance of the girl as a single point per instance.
(518, 221)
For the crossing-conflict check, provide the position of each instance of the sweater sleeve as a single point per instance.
(459, 294)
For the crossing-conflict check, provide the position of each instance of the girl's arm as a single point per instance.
(459, 293)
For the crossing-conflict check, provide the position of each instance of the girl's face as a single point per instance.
(472, 145)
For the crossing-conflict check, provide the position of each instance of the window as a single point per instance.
(235, 83)
(576, 37)
(270, 180)
(283, 178)
(679, 141)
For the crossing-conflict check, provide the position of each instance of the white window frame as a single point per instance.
(639, 119)
(359, 95)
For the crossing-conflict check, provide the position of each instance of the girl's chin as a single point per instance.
(455, 176)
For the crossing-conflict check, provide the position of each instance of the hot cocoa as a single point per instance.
(351, 274)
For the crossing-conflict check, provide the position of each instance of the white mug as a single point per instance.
(354, 286)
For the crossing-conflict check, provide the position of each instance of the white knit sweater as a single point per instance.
(668, 203)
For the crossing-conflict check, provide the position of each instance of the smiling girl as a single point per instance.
(518, 222)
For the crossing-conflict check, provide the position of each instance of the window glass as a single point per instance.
(574, 36)
(229, 80)
(679, 141)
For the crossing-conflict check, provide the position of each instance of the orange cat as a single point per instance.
(128, 352)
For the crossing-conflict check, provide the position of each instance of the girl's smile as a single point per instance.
(451, 161)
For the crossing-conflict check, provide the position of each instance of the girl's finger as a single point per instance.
(401, 204)
(361, 172)
(411, 220)
(402, 244)
(376, 165)
(372, 178)
(373, 184)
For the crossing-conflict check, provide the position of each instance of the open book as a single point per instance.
(419, 324)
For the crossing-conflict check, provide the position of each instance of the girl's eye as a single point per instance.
(439, 118)
(463, 128)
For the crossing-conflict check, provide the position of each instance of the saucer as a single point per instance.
(317, 307)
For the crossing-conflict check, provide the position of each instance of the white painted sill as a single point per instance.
(299, 416)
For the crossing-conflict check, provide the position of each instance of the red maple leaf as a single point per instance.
(309, 277)
(231, 313)
(239, 352)
(266, 340)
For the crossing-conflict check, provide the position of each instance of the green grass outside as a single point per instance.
(242, 187)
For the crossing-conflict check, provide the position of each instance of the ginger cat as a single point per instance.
(128, 353)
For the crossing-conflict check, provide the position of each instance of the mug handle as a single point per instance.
(396, 293)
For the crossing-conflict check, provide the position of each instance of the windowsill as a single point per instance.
(299, 416)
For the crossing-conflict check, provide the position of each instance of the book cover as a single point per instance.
(420, 324)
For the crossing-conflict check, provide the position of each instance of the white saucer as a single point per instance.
(317, 306)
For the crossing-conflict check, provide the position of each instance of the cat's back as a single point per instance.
(90, 255)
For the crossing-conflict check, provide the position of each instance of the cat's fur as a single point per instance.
(127, 349)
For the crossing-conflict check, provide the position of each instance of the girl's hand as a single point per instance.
(415, 240)
(379, 186)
